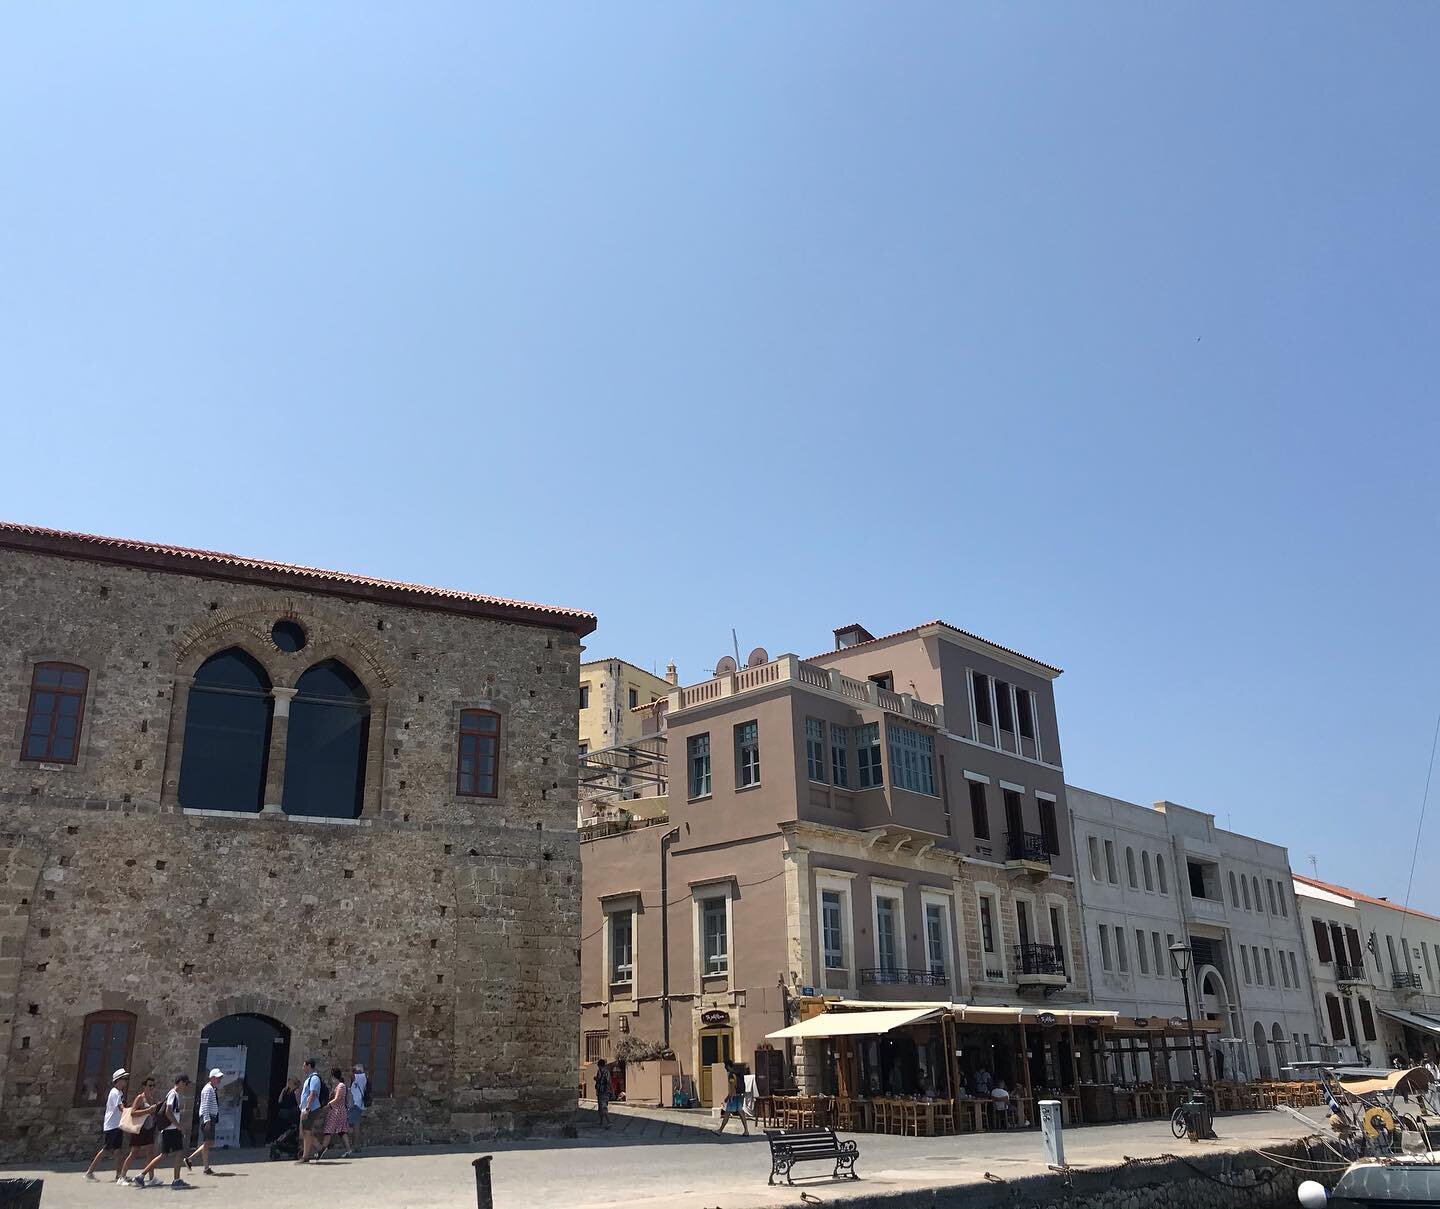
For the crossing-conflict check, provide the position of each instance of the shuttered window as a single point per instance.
(1337, 1021)
(1322, 944)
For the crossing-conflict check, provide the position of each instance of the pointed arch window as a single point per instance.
(327, 743)
(56, 710)
(477, 774)
(227, 734)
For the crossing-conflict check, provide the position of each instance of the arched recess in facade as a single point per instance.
(361, 687)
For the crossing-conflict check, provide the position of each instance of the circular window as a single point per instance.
(288, 635)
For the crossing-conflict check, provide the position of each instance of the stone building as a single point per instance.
(307, 813)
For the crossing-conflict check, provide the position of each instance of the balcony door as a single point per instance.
(1022, 922)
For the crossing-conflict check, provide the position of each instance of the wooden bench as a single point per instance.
(791, 1146)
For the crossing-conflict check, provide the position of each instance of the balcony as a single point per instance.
(877, 976)
(1026, 851)
(1348, 973)
(1040, 967)
(1405, 981)
(1208, 910)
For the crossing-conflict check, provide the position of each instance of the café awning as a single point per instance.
(852, 1024)
(1425, 1024)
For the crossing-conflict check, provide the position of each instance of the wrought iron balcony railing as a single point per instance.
(1039, 959)
(1026, 846)
(1348, 973)
(1405, 981)
(919, 978)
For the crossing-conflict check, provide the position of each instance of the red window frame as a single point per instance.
(478, 727)
(367, 1045)
(59, 692)
(105, 1026)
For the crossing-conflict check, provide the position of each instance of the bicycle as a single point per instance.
(1180, 1122)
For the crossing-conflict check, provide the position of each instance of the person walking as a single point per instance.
(111, 1137)
(312, 1113)
(142, 1142)
(359, 1102)
(734, 1105)
(337, 1114)
(172, 1137)
(603, 1087)
(209, 1114)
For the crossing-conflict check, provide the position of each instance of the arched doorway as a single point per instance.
(1262, 1055)
(260, 1048)
(1277, 1039)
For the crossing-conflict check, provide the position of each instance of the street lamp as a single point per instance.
(1180, 959)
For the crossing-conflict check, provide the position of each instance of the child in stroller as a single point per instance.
(287, 1144)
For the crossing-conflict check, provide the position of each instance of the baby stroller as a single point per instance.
(287, 1145)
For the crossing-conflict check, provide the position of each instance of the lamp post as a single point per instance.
(1180, 959)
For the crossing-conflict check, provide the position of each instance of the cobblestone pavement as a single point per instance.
(649, 1159)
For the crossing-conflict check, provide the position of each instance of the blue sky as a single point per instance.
(1107, 332)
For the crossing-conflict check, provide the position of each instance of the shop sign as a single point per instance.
(1142, 1021)
(1176, 1022)
(1047, 1019)
(715, 1016)
(1094, 1019)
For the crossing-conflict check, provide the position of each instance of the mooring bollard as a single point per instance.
(1052, 1129)
(484, 1199)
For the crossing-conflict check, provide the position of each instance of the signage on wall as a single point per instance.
(1142, 1021)
(715, 1016)
(1094, 1019)
(1047, 1019)
(1176, 1022)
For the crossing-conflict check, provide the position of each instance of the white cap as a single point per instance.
(122, 1073)
(217, 1073)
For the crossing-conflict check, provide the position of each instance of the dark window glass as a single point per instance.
(106, 1039)
(1002, 705)
(1024, 702)
(1367, 1020)
(885, 680)
(1337, 1020)
(327, 743)
(1014, 815)
(634, 698)
(227, 735)
(981, 683)
(57, 707)
(979, 810)
(375, 1050)
(289, 636)
(478, 772)
(1051, 832)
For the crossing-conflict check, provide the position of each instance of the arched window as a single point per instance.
(1234, 892)
(106, 1042)
(1277, 1038)
(227, 735)
(1145, 871)
(374, 1049)
(57, 707)
(1262, 1055)
(1245, 888)
(477, 775)
(1160, 873)
(1130, 869)
(327, 743)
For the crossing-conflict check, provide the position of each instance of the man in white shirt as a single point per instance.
(112, 1140)
(209, 1114)
(312, 1112)
(359, 1085)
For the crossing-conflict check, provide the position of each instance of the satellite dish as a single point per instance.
(758, 656)
(726, 665)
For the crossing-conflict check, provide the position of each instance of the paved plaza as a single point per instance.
(650, 1159)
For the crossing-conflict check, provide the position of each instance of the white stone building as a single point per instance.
(1147, 876)
(1376, 972)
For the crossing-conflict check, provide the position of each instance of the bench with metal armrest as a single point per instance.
(791, 1146)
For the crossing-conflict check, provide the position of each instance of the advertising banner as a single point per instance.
(231, 1060)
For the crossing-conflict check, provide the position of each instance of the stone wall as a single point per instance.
(459, 915)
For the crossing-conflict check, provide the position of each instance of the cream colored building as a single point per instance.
(613, 697)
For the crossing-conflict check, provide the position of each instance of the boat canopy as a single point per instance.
(1400, 1082)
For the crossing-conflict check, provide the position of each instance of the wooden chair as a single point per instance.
(945, 1117)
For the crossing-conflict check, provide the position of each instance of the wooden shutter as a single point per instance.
(1352, 938)
(1322, 943)
(1367, 1020)
(1337, 1021)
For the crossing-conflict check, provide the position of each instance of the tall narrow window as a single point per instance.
(815, 749)
(477, 774)
(1322, 942)
(1270, 892)
(867, 753)
(885, 947)
(374, 1049)
(1025, 709)
(1160, 874)
(1093, 844)
(747, 754)
(1160, 965)
(840, 756)
(622, 931)
(1245, 891)
(717, 936)
(632, 698)
(980, 683)
(1367, 1020)
(1234, 892)
(1259, 905)
(832, 922)
(1049, 830)
(106, 1041)
(584, 696)
(935, 938)
(1269, 968)
(912, 760)
(1014, 816)
(1122, 958)
(697, 749)
(327, 743)
(1245, 961)
(1284, 969)
(1003, 711)
(1145, 872)
(1337, 1018)
(979, 810)
(1110, 868)
(1294, 974)
(227, 735)
(1170, 944)
(1057, 935)
(1130, 868)
(57, 708)
(987, 923)
(1142, 954)
(1105, 959)
(1022, 922)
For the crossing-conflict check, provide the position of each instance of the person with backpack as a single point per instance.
(312, 1112)
(172, 1137)
(359, 1102)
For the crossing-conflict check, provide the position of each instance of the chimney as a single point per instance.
(671, 675)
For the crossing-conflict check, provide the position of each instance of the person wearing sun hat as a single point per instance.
(112, 1139)
(209, 1114)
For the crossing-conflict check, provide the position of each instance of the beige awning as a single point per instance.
(851, 1024)
(1401, 1082)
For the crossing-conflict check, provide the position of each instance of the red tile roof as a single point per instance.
(926, 625)
(1346, 892)
(212, 564)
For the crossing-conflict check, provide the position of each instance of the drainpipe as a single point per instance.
(665, 841)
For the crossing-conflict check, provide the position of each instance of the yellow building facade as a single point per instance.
(610, 692)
